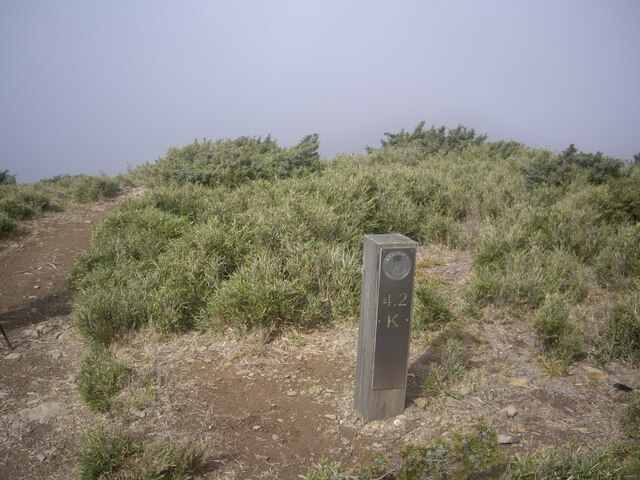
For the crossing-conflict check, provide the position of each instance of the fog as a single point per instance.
(91, 86)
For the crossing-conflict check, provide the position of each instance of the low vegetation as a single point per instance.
(247, 234)
(19, 202)
(110, 454)
(476, 455)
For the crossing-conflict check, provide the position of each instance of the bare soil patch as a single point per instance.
(267, 411)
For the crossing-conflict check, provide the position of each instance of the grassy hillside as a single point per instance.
(19, 201)
(246, 234)
(551, 236)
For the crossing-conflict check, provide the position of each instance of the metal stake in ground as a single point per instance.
(386, 303)
(6, 338)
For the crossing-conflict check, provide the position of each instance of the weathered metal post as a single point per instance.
(386, 302)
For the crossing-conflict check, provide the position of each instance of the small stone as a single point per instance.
(510, 411)
(36, 287)
(45, 412)
(594, 373)
(291, 393)
(55, 354)
(242, 373)
(275, 437)
(519, 382)
(13, 356)
(421, 402)
(41, 457)
(33, 297)
(331, 416)
(256, 428)
(508, 439)
(298, 357)
(400, 421)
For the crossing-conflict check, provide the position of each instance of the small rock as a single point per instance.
(33, 297)
(29, 332)
(242, 373)
(140, 414)
(13, 356)
(45, 412)
(519, 382)
(400, 421)
(510, 411)
(331, 416)
(256, 428)
(421, 402)
(55, 354)
(41, 457)
(594, 373)
(275, 437)
(508, 439)
(291, 393)
(298, 357)
(36, 287)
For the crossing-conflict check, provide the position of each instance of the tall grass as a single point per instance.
(270, 249)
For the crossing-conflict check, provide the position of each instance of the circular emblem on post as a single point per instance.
(396, 265)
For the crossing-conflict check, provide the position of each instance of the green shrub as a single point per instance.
(622, 202)
(6, 178)
(105, 451)
(88, 189)
(110, 454)
(444, 375)
(617, 265)
(558, 335)
(618, 463)
(572, 164)
(7, 225)
(470, 455)
(622, 331)
(527, 277)
(234, 162)
(433, 140)
(22, 203)
(101, 377)
(631, 417)
(431, 311)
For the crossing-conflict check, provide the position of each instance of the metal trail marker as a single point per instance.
(386, 306)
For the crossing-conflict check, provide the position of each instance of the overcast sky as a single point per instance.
(95, 85)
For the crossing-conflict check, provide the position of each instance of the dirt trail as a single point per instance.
(266, 411)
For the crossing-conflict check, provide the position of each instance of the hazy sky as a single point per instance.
(95, 85)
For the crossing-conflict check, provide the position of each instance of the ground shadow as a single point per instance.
(35, 311)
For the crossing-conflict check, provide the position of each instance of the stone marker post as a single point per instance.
(385, 325)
